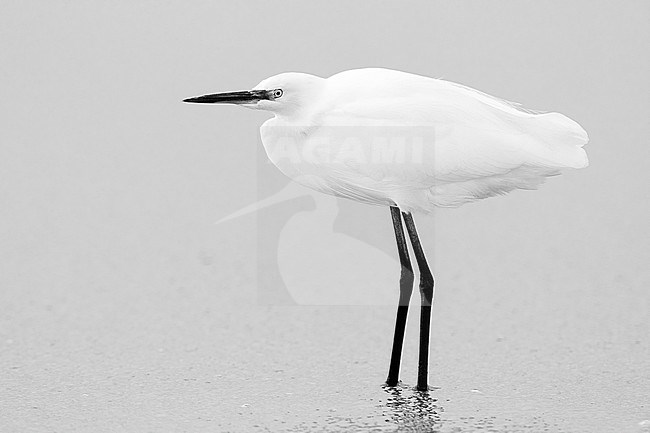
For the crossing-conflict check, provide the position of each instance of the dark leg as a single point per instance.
(426, 296)
(405, 291)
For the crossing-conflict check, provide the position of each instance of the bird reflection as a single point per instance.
(413, 411)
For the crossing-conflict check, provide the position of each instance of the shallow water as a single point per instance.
(187, 354)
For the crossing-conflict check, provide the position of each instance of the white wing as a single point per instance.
(476, 145)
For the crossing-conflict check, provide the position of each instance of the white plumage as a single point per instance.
(459, 144)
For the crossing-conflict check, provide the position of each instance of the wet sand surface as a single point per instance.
(181, 344)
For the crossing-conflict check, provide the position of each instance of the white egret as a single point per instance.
(411, 143)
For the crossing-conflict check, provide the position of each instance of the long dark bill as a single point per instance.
(242, 97)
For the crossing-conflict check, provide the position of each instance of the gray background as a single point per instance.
(123, 307)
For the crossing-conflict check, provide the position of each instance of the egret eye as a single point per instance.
(277, 93)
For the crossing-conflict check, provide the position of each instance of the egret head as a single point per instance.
(283, 94)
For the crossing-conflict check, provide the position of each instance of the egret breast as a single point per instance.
(339, 161)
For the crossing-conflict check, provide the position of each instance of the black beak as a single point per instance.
(243, 97)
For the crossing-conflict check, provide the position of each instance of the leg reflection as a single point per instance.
(413, 410)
